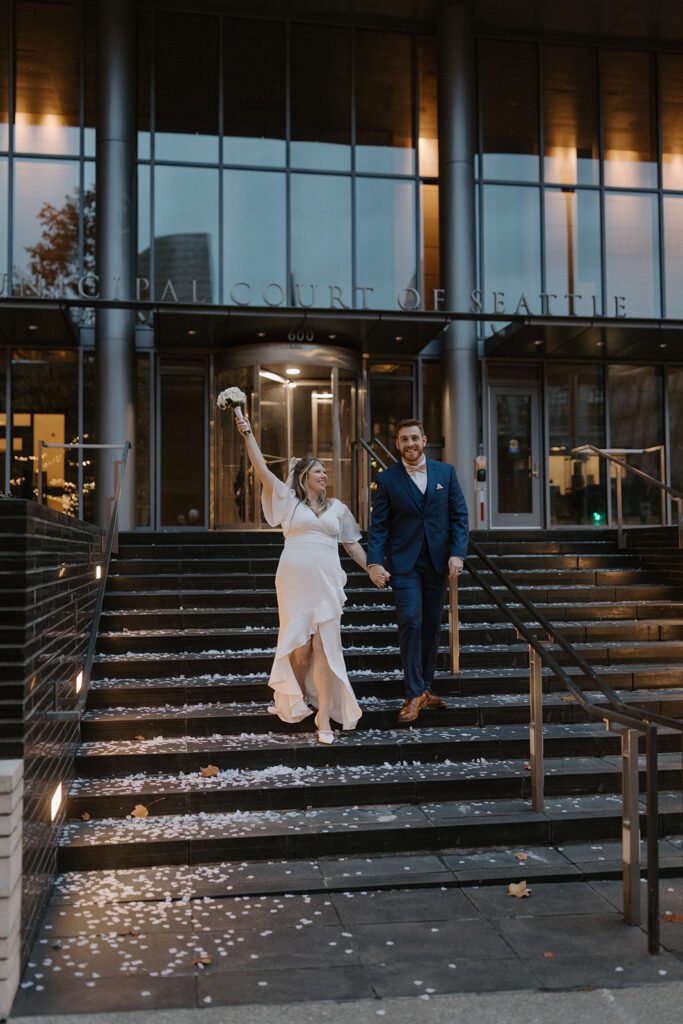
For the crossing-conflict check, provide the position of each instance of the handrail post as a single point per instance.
(630, 825)
(536, 754)
(454, 625)
(662, 494)
(620, 508)
(41, 448)
(652, 840)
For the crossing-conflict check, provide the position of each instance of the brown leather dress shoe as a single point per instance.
(434, 701)
(412, 708)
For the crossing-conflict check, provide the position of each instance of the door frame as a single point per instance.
(536, 519)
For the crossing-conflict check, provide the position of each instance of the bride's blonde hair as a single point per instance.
(299, 474)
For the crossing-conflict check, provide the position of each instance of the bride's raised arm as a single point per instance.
(264, 475)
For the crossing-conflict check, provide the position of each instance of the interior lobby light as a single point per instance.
(191, 331)
(323, 394)
(56, 802)
(33, 327)
(269, 375)
(260, 334)
(292, 371)
(98, 572)
(399, 337)
(663, 344)
(331, 336)
(79, 682)
(539, 341)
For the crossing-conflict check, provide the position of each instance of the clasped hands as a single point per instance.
(380, 577)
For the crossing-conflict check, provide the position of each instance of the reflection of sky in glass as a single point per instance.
(385, 239)
(512, 245)
(572, 249)
(254, 231)
(321, 156)
(37, 182)
(143, 207)
(186, 228)
(255, 151)
(673, 254)
(321, 235)
(191, 148)
(632, 253)
(3, 224)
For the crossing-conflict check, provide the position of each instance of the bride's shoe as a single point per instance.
(324, 736)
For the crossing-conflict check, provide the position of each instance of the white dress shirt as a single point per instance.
(418, 473)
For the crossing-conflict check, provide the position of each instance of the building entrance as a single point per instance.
(516, 484)
(300, 403)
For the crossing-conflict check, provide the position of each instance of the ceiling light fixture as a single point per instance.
(293, 371)
(269, 375)
(192, 332)
(260, 334)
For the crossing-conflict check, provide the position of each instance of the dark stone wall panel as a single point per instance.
(47, 597)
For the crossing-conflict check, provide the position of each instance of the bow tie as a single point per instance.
(422, 468)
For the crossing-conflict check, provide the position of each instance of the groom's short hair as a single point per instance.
(408, 423)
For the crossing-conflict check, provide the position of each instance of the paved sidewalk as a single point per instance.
(609, 1006)
(104, 949)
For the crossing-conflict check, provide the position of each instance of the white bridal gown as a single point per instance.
(310, 594)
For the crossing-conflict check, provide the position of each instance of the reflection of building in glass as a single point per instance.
(184, 260)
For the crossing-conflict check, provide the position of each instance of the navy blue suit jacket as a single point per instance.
(401, 520)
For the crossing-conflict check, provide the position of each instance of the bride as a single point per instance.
(309, 663)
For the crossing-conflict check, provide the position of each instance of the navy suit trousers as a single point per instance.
(419, 596)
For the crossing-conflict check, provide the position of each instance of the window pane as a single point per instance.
(5, 288)
(636, 404)
(431, 276)
(186, 233)
(673, 255)
(144, 267)
(671, 77)
(144, 64)
(46, 222)
(142, 466)
(254, 232)
(632, 253)
(432, 390)
(385, 240)
(572, 250)
(320, 98)
(675, 390)
(45, 408)
(88, 209)
(254, 93)
(627, 81)
(512, 244)
(4, 75)
(321, 237)
(576, 416)
(428, 141)
(186, 88)
(384, 107)
(48, 45)
(509, 110)
(570, 115)
(90, 82)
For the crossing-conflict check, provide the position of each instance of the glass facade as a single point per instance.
(283, 163)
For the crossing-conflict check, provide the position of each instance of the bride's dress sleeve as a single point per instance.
(276, 502)
(348, 527)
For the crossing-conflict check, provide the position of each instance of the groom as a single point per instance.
(420, 525)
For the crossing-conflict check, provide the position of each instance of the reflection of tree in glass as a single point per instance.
(56, 258)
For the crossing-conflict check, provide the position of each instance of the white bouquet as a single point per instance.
(231, 398)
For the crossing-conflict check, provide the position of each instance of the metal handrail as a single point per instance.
(623, 719)
(74, 714)
(611, 455)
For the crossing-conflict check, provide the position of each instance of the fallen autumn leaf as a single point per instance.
(518, 890)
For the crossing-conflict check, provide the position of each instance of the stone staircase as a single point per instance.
(180, 684)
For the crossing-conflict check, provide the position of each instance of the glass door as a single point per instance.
(516, 491)
(182, 444)
(295, 410)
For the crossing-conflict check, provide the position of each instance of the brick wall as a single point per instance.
(47, 595)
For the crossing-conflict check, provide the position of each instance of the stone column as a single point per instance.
(116, 245)
(457, 91)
